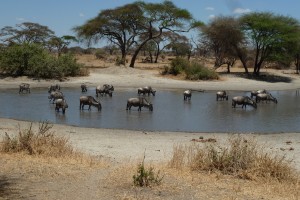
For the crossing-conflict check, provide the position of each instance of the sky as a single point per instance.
(62, 15)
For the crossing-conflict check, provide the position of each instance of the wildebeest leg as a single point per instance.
(128, 107)
(89, 106)
(140, 108)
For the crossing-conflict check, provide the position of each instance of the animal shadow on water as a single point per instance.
(61, 117)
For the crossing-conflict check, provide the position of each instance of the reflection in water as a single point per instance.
(171, 113)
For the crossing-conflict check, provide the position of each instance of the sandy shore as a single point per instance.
(126, 77)
(120, 145)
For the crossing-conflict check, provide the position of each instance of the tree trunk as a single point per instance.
(156, 56)
(228, 68)
(135, 54)
(123, 59)
(244, 65)
(242, 56)
(297, 63)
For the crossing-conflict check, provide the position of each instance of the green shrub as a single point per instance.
(178, 65)
(196, 71)
(15, 59)
(192, 70)
(67, 65)
(33, 60)
(146, 177)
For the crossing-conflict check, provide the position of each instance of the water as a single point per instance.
(171, 113)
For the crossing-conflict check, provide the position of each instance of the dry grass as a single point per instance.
(187, 184)
(42, 175)
(46, 144)
(243, 161)
(241, 157)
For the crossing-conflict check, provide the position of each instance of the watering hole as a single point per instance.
(171, 113)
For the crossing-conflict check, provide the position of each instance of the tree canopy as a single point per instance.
(225, 39)
(124, 28)
(26, 32)
(271, 36)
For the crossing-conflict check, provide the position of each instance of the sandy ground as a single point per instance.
(125, 146)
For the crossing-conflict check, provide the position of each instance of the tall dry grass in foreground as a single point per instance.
(241, 157)
(43, 143)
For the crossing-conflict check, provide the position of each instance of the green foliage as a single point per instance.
(196, 71)
(67, 65)
(272, 36)
(193, 70)
(33, 60)
(146, 177)
(15, 59)
(148, 21)
(178, 65)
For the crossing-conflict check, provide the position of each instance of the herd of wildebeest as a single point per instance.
(56, 96)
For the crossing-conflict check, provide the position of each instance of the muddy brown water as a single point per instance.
(171, 113)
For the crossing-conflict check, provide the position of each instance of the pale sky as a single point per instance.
(62, 15)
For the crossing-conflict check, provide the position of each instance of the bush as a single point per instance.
(193, 70)
(33, 60)
(146, 177)
(242, 158)
(196, 71)
(42, 142)
(178, 65)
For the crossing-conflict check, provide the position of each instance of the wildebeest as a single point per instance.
(244, 101)
(55, 95)
(90, 101)
(138, 102)
(24, 87)
(105, 89)
(265, 97)
(83, 87)
(61, 103)
(146, 90)
(55, 87)
(187, 95)
(221, 95)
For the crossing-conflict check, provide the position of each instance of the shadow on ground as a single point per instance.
(265, 77)
(6, 189)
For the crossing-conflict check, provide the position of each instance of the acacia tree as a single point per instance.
(60, 43)
(123, 26)
(224, 37)
(120, 26)
(180, 45)
(26, 32)
(271, 36)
